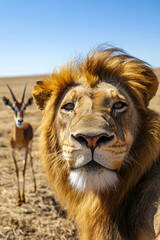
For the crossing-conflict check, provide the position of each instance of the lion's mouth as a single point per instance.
(94, 166)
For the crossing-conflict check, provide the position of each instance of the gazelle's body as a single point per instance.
(20, 138)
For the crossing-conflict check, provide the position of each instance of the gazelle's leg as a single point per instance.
(34, 180)
(24, 170)
(17, 174)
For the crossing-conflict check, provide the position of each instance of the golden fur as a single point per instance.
(128, 209)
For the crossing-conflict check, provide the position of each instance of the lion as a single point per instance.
(100, 144)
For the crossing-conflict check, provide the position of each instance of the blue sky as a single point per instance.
(38, 35)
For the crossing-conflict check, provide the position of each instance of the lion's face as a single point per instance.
(96, 129)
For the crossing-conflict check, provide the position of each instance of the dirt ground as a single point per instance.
(41, 217)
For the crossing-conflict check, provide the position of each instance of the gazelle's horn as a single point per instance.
(22, 99)
(14, 98)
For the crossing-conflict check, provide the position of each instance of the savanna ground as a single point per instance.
(41, 217)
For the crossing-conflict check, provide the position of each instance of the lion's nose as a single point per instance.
(93, 141)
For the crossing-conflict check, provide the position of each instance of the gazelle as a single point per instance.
(20, 138)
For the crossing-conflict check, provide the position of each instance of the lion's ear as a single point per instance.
(41, 94)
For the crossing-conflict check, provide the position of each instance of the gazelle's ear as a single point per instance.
(29, 102)
(7, 102)
(41, 94)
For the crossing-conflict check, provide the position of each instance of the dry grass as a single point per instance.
(40, 217)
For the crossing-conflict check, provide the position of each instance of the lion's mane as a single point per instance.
(101, 216)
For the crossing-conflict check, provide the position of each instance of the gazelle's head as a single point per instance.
(18, 107)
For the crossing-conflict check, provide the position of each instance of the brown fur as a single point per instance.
(21, 137)
(128, 211)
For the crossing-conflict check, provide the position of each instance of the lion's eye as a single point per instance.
(120, 106)
(68, 106)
